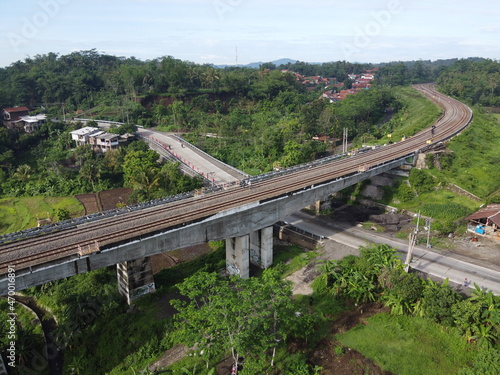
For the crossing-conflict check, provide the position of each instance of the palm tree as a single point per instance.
(22, 173)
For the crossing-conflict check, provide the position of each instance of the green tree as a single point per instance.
(421, 181)
(245, 316)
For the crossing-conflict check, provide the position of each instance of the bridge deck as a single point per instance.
(220, 214)
(208, 167)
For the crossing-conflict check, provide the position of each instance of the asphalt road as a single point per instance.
(440, 264)
(195, 161)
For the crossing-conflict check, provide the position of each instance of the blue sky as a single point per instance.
(209, 31)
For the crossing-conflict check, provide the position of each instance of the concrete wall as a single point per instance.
(226, 224)
(290, 234)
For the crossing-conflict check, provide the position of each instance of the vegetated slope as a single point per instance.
(476, 157)
(20, 213)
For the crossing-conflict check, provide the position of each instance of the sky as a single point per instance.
(245, 31)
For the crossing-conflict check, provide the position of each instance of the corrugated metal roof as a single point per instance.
(490, 212)
(16, 109)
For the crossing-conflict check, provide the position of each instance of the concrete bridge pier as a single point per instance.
(261, 247)
(316, 207)
(135, 278)
(256, 247)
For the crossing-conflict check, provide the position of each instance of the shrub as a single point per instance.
(437, 302)
(486, 363)
(405, 193)
(421, 181)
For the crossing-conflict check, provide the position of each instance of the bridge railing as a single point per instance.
(166, 153)
(208, 156)
(102, 121)
(71, 223)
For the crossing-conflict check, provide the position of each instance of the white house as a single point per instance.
(98, 139)
(81, 136)
(32, 123)
(104, 141)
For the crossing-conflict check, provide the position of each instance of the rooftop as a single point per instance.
(16, 109)
(490, 212)
(84, 131)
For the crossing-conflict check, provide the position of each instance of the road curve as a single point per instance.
(126, 227)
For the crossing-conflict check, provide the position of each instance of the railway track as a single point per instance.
(129, 226)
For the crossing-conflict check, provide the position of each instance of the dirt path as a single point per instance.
(52, 355)
(303, 278)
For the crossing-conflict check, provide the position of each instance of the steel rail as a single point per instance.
(133, 225)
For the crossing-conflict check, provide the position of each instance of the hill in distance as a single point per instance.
(256, 65)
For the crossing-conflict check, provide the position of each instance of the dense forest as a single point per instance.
(475, 82)
(258, 119)
(261, 117)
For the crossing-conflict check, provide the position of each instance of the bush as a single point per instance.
(437, 302)
(421, 181)
(486, 363)
(405, 193)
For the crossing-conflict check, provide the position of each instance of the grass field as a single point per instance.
(408, 345)
(436, 204)
(417, 114)
(21, 213)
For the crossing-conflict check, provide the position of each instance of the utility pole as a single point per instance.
(344, 141)
(428, 222)
(411, 244)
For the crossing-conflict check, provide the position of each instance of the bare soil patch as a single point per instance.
(89, 202)
(110, 199)
(338, 360)
(104, 200)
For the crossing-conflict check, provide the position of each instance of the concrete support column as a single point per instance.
(316, 206)
(261, 247)
(238, 256)
(135, 278)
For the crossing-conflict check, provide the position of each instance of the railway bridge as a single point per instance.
(242, 215)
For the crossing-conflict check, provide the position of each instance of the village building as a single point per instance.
(82, 136)
(31, 123)
(100, 140)
(104, 141)
(486, 221)
(14, 114)
(10, 116)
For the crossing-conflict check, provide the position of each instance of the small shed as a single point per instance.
(485, 221)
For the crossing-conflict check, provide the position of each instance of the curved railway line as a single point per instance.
(132, 225)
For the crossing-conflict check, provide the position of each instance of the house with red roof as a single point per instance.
(14, 114)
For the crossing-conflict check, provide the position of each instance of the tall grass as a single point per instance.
(21, 213)
(418, 113)
(477, 156)
(408, 345)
